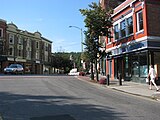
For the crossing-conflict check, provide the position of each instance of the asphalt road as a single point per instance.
(67, 98)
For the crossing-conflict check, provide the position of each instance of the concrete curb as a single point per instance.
(115, 86)
(133, 93)
(156, 96)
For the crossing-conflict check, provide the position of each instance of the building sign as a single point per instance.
(129, 48)
(20, 60)
(37, 61)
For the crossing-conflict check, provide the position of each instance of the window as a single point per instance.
(143, 65)
(109, 35)
(20, 40)
(46, 47)
(123, 28)
(28, 54)
(37, 44)
(116, 32)
(28, 48)
(130, 25)
(1, 32)
(135, 66)
(46, 57)
(10, 51)
(139, 21)
(11, 39)
(37, 55)
(20, 51)
(28, 42)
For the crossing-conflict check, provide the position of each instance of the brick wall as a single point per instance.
(110, 3)
(153, 17)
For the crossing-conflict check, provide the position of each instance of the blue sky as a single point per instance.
(51, 18)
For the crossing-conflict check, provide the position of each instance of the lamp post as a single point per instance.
(81, 35)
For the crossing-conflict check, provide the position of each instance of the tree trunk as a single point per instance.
(96, 70)
(92, 74)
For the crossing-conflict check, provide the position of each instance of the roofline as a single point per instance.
(129, 4)
(46, 39)
(3, 20)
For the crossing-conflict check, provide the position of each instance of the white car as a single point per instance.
(73, 72)
(14, 69)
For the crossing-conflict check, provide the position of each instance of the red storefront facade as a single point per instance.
(136, 40)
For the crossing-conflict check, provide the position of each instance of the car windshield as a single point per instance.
(13, 66)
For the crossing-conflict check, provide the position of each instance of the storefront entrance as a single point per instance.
(134, 66)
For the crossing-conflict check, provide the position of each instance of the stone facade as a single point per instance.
(28, 49)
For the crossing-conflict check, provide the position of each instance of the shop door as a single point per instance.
(118, 67)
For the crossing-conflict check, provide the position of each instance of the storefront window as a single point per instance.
(135, 66)
(127, 66)
(143, 65)
(139, 65)
(143, 71)
(115, 68)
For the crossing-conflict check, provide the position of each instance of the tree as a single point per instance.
(62, 61)
(97, 21)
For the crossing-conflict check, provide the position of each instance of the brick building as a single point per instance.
(136, 40)
(29, 49)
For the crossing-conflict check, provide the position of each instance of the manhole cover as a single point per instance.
(57, 117)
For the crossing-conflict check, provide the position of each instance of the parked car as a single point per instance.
(73, 72)
(14, 69)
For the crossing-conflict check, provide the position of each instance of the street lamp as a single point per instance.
(81, 35)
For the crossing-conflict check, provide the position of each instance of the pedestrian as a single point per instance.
(153, 75)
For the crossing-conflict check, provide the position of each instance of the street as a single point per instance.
(67, 98)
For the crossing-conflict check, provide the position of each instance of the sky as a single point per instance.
(51, 18)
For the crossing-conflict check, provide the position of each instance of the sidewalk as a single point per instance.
(133, 88)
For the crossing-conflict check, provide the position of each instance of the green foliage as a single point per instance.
(97, 22)
(64, 62)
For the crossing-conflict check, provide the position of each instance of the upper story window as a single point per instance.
(139, 21)
(130, 25)
(109, 35)
(123, 28)
(1, 32)
(46, 47)
(29, 42)
(116, 32)
(28, 53)
(11, 38)
(37, 45)
(11, 51)
(37, 55)
(20, 40)
(20, 51)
